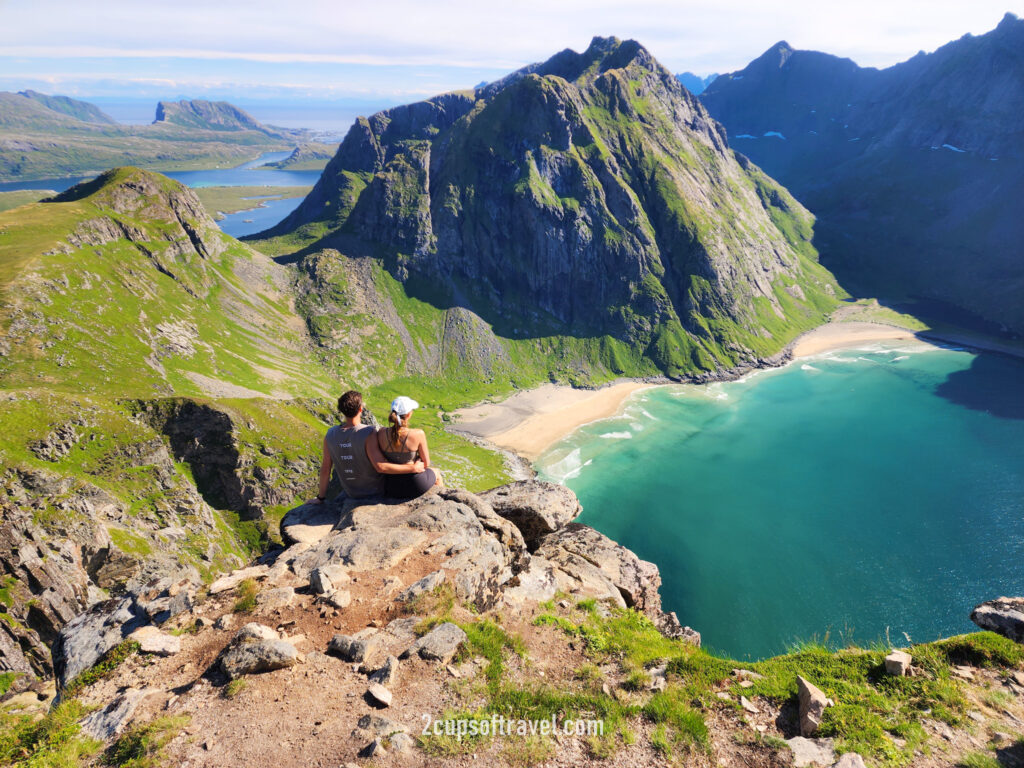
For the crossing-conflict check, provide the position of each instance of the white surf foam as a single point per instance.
(617, 435)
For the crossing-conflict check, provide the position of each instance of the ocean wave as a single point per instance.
(617, 435)
(806, 367)
(566, 468)
(901, 357)
(650, 416)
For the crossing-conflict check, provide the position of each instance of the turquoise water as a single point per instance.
(844, 498)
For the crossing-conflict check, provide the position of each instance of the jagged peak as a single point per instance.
(1009, 20)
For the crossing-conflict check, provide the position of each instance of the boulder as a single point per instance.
(427, 584)
(812, 706)
(339, 598)
(820, 752)
(386, 674)
(152, 640)
(536, 508)
(1004, 615)
(328, 578)
(439, 644)
(232, 580)
(104, 724)
(255, 631)
(898, 663)
(362, 647)
(256, 656)
(275, 599)
(589, 564)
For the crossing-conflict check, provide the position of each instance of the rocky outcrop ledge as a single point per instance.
(511, 544)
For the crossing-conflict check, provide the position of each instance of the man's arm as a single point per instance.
(325, 473)
(385, 467)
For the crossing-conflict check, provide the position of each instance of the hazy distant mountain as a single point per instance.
(588, 198)
(916, 172)
(695, 84)
(208, 115)
(54, 136)
(80, 110)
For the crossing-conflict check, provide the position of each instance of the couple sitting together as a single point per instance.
(390, 461)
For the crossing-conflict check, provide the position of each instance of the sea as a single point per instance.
(252, 173)
(862, 496)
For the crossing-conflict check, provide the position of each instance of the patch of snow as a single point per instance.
(993, 159)
(774, 133)
(737, 77)
(855, 139)
(744, 136)
(814, 132)
(955, 149)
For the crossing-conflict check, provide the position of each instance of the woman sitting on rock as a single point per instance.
(401, 445)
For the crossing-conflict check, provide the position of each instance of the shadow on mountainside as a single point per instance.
(991, 384)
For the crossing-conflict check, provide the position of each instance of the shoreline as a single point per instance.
(528, 422)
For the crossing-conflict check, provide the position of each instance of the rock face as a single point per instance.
(85, 639)
(939, 133)
(592, 191)
(536, 508)
(1004, 615)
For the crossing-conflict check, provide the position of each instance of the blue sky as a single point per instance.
(392, 51)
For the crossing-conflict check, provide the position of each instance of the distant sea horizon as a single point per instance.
(860, 496)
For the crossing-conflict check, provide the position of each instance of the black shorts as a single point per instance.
(409, 486)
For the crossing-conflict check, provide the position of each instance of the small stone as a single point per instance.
(359, 648)
(374, 749)
(748, 705)
(746, 674)
(231, 581)
(379, 694)
(453, 671)
(723, 696)
(606, 689)
(564, 605)
(812, 706)
(746, 683)
(898, 663)
(203, 622)
(227, 621)
(976, 716)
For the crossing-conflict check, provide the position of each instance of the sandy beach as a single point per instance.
(530, 421)
(849, 334)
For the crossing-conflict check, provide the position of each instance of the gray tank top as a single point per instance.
(352, 467)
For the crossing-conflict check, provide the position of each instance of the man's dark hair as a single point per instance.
(350, 403)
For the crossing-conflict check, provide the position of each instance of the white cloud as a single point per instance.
(395, 37)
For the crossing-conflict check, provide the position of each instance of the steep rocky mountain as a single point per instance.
(695, 84)
(209, 115)
(588, 197)
(913, 171)
(80, 110)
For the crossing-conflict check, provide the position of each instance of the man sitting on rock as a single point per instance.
(357, 460)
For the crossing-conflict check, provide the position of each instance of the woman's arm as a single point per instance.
(422, 448)
(325, 474)
(385, 467)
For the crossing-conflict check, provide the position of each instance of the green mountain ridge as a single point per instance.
(591, 190)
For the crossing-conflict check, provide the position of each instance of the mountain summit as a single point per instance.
(589, 196)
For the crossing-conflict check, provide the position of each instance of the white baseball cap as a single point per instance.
(403, 405)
